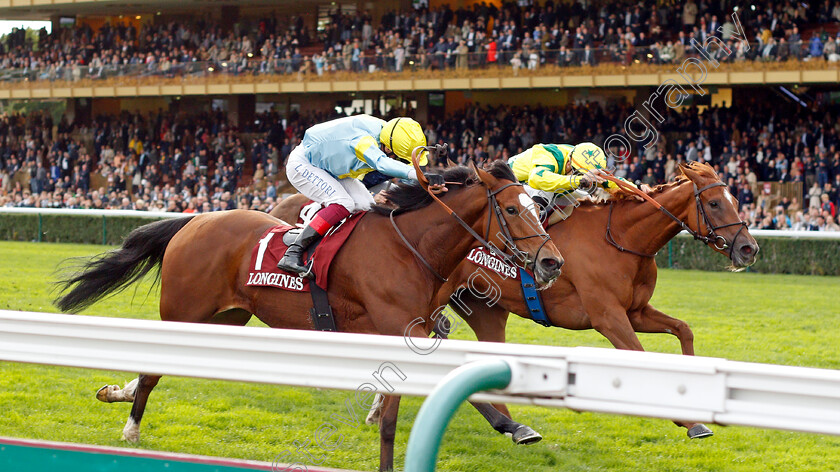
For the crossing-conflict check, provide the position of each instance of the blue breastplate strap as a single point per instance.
(532, 298)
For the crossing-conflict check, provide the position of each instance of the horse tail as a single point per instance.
(113, 271)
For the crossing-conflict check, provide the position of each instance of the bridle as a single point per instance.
(712, 237)
(493, 209)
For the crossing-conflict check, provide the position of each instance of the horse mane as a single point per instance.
(624, 196)
(412, 196)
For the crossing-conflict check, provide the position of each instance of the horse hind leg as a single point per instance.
(387, 432)
(113, 393)
(518, 432)
(375, 411)
(145, 384)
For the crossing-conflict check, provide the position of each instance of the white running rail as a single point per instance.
(604, 380)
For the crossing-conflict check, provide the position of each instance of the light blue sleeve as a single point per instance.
(368, 151)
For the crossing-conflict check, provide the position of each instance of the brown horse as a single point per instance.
(608, 285)
(602, 287)
(205, 261)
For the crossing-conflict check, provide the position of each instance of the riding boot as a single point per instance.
(292, 261)
(546, 209)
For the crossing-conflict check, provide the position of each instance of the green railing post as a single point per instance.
(437, 410)
(40, 226)
(104, 231)
(671, 254)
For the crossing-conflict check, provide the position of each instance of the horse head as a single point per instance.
(511, 225)
(714, 218)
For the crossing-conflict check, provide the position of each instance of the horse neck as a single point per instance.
(646, 229)
(442, 241)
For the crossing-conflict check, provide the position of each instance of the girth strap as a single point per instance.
(532, 299)
(322, 315)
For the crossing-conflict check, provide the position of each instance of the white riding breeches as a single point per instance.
(320, 186)
(563, 203)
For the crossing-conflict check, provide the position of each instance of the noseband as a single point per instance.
(713, 238)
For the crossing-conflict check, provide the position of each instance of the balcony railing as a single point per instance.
(432, 64)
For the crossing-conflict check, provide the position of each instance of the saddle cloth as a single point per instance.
(270, 249)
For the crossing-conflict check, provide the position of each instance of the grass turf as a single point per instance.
(751, 317)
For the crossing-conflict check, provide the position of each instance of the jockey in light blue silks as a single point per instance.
(330, 161)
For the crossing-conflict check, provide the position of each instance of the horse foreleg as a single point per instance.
(145, 384)
(489, 323)
(609, 318)
(387, 432)
(651, 320)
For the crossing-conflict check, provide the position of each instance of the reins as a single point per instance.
(493, 208)
(717, 241)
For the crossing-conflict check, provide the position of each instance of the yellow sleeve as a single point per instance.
(611, 186)
(542, 178)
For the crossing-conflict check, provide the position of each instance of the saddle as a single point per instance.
(276, 240)
(273, 245)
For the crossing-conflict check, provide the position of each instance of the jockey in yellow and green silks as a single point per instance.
(552, 173)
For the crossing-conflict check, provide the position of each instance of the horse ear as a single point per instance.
(483, 175)
(689, 172)
(450, 162)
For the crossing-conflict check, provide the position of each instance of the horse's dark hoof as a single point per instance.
(525, 435)
(699, 431)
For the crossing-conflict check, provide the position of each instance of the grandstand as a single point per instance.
(119, 113)
(150, 106)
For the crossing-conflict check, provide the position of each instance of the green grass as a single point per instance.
(751, 317)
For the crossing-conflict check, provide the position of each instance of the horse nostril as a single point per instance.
(747, 249)
(551, 264)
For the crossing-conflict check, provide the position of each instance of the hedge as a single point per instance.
(776, 256)
(69, 229)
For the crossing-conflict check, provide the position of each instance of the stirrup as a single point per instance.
(308, 274)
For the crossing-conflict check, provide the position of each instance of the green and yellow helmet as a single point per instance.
(403, 135)
(588, 156)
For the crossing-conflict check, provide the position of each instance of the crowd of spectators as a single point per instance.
(515, 36)
(200, 162)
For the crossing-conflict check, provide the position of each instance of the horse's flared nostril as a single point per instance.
(551, 265)
(748, 250)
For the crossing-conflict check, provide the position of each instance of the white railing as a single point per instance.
(624, 382)
(84, 212)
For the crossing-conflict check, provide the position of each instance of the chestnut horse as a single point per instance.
(602, 287)
(608, 285)
(213, 251)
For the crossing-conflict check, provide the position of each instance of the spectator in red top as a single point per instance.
(828, 205)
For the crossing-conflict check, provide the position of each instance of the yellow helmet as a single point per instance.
(403, 135)
(588, 156)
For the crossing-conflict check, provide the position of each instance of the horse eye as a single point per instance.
(713, 204)
(511, 210)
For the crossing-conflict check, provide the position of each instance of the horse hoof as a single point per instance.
(525, 435)
(699, 431)
(105, 394)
